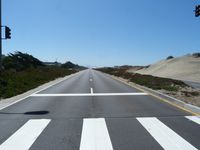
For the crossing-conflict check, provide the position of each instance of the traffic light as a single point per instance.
(197, 11)
(7, 33)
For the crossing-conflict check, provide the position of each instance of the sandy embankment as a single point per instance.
(182, 68)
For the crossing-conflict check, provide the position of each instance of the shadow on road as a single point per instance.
(28, 113)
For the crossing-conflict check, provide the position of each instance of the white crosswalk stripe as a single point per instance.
(23, 138)
(195, 119)
(165, 136)
(95, 135)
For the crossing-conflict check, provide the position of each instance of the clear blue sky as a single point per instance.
(102, 32)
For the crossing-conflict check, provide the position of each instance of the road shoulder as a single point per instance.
(194, 110)
(10, 101)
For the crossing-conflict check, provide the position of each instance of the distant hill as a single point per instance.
(55, 63)
(71, 65)
(183, 68)
(21, 61)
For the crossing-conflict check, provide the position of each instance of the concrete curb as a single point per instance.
(195, 110)
(10, 101)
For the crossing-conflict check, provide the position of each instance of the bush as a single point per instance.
(20, 61)
(156, 83)
(196, 55)
(169, 57)
(16, 82)
(70, 65)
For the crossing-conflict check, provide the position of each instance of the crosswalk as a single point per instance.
(23, 138)
(95, 134)
(165, 136)
(194, 118)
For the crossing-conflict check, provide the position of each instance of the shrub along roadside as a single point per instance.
(14, 82)
(156, 83)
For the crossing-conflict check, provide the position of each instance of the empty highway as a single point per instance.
(92, 111)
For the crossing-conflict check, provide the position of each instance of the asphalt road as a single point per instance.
(92, 111)
(195, 85)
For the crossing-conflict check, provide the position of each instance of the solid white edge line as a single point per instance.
(21, 99)
(165, 136)
(95, 135)
(65, 78)
(23, 138)
(89, 94)
(195, 119)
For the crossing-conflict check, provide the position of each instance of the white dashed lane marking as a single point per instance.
(91, 91)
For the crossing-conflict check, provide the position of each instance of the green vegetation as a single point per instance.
(196, 55)
(156, 83)
(70, 65)
(16, 82)
(20, 61)
(169, 57)
(23, 72)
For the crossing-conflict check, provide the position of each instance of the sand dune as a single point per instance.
(183, 68)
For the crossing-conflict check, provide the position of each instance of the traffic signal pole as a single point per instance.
(0, 37)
